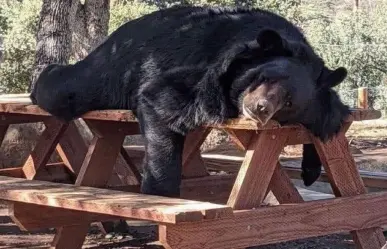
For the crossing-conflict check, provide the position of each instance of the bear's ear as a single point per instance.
(269, 39)
(331, 78)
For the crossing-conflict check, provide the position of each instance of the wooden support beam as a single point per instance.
(52, 172)
(214, 188)
(132, 167)
(44, 148)
(29, 217)
(283, 188)
(193, 165)
(241, 138)
(13, 118)
(96, 170)
(255, 174)
(362, 97)
(72, 148)
(281, 223)
(99, 161)
(346, 181)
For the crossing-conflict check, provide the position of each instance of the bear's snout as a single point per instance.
(262, 103)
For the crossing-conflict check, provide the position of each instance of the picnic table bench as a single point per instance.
(234, 218)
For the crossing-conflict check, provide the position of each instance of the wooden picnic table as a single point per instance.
(232, 219)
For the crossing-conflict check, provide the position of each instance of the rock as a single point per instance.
(109, 236)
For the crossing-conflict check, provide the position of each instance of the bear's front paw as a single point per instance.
(309, 176)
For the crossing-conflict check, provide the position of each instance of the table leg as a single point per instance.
(346, 181)
(95, 172)
(44, 148)
(193, 165)
(281, 185)
(283, 188)
(257, 169)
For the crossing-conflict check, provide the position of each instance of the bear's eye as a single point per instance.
(288, 103)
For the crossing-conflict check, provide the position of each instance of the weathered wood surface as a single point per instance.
(280, 223)
(345, 180)
(30, 217)
(44, 148)
(255, 174)
(21, 104)
(108, 202)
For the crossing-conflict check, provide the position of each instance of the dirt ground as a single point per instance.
(368, 142)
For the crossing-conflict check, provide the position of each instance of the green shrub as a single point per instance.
(19, 29)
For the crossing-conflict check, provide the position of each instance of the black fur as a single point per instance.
(182, 67)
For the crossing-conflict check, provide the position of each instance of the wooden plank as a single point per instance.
(44, 148)
(128, 116)
(23, 98)
(340, 166)
(247, 124)
(362, 97)
(346, 181)
(11, 118)
(52, 172)
(108, 202)
(31, 110)
(72, 148)
(96, 171)
(283, 188)
(99, 161)
(31, 217)
(281, 223)
(299, 136)
(240, 137)
(255, 174)
(133, 170)
(16, 172)
(214, 188)
(70, 236)
(192, 143)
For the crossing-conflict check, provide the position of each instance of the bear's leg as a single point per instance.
(311, 164)
(163, 157)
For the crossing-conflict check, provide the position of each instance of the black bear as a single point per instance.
(182, 67)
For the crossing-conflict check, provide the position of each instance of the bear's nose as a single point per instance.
(262, 106)
(264, 110)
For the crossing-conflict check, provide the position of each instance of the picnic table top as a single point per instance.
(21, 104)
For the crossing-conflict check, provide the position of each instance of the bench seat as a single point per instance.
(109, 202)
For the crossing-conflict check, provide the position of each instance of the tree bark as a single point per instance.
(53, 37)
(90, 26)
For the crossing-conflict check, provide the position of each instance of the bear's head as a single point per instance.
(284, 80)
(56, 93)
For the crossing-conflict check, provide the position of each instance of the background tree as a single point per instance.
(53, 36)
(342, 36)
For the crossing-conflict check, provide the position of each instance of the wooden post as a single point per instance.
(362, 97)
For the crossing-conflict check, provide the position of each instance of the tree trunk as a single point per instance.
(90, 26)
(54, 36)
